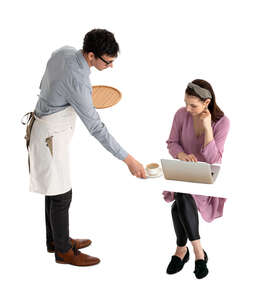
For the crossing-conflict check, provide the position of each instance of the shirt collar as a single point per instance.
(82, 62)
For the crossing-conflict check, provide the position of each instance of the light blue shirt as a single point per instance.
(66, 82)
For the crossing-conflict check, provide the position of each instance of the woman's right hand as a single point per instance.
(187, 157)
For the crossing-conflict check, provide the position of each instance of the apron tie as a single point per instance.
(30, 120)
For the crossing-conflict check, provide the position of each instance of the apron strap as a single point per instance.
(29, 122)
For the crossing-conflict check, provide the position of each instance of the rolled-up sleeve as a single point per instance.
(80, 99)
(173, 143)
(213, 151)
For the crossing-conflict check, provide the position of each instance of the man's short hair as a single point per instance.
(100, 42)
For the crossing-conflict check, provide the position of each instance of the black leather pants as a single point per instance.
(185, 218)
(57, 220)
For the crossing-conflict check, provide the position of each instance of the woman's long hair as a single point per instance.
(215, 111)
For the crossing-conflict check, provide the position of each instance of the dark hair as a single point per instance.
(215, 111)
(100, 42)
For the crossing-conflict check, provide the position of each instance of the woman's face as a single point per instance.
(194, 105)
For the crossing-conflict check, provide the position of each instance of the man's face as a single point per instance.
(103, 62)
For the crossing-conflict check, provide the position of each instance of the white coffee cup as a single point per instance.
(152, 169)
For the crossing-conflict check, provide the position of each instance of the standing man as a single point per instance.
(66, 91)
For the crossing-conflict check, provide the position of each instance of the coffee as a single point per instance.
(152, 169)
(152, 166)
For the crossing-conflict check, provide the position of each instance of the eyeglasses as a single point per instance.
(105, 61)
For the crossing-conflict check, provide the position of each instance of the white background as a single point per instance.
(164, 45)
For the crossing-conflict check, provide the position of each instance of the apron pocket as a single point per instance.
(49, 144)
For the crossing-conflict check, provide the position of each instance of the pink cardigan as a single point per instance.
(183, 139)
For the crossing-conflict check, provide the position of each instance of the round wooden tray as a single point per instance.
(105, 96)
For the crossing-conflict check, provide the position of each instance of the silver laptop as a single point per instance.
(201, 172)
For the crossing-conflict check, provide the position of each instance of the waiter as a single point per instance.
(66, 92)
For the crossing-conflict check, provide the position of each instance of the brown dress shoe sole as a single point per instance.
(65, 263)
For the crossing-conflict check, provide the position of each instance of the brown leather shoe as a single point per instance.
(76, 258)
(80, 243)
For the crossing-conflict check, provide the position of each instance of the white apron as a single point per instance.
(49, 152)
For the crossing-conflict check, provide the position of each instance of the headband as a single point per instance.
(203, 93)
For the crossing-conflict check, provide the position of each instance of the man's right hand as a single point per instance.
(135, 167)
(187, 157)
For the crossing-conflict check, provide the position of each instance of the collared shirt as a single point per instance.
(66, 82)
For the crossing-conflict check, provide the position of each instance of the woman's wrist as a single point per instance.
(208, 136)
(208, 128)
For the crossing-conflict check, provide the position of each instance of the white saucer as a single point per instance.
(159, 174)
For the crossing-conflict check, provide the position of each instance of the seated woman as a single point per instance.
(198, 133)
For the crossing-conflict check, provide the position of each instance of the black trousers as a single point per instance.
(185, 218)
(57, 220)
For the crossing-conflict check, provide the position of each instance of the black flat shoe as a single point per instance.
(201, 269)
(176, 264)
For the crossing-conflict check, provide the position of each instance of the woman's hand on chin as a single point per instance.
(206, 119)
